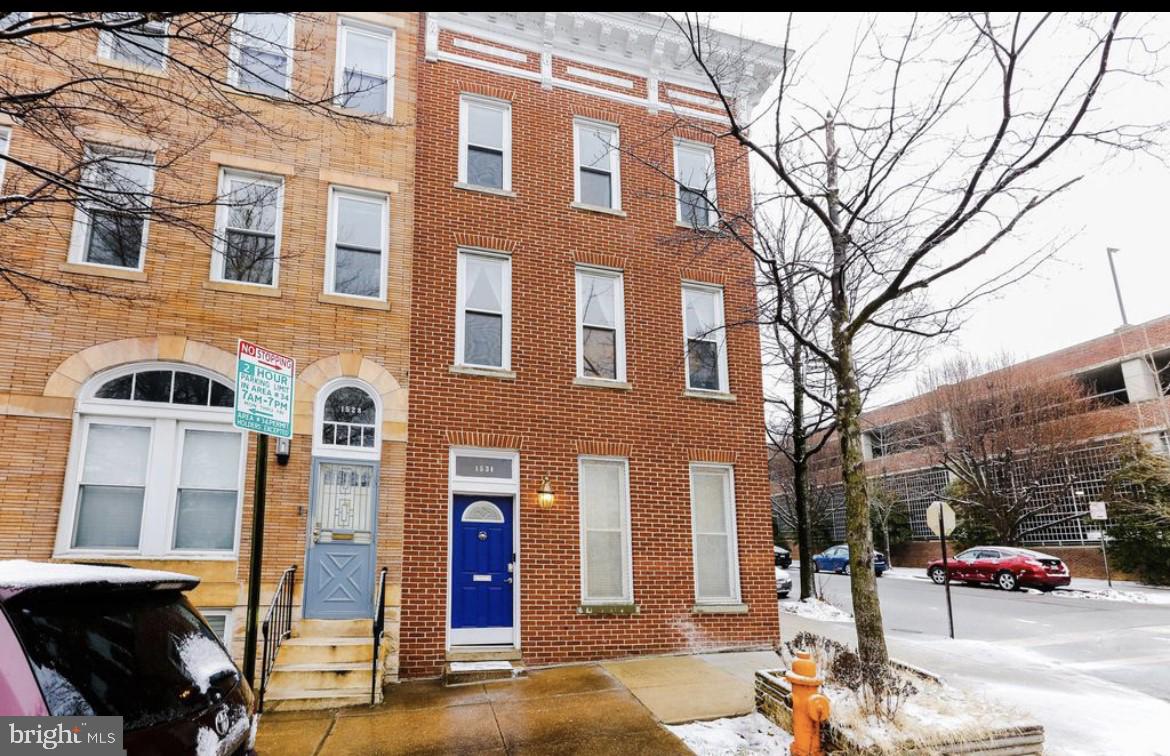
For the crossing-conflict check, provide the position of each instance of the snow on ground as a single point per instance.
(816, 609)
(1112, 594)
(735, 736)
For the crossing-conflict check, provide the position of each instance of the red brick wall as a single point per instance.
(548, 416)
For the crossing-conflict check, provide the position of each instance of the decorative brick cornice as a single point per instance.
(585, 257)
(474, 87)
(483, 440)
(602, 448)
(695, 135)
(711, 455)
(703, 275)
(598, 114)
(482, 241)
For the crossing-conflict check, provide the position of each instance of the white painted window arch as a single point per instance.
(155, 467)
(347, 420)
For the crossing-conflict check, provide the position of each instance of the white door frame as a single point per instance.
(469, 486)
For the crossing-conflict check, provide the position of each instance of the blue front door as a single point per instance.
(339, 567)
(482, 570)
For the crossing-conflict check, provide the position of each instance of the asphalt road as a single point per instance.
(1125, 643)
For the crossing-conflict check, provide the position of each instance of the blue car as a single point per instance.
(836, 559)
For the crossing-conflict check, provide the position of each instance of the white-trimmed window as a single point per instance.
(364, 79)
(143, 44)
(155, 465)
(247, 228)
(349, 420)
(261, 53)
(485, 142)
(483, 325)
(597, 161)
(220, 622)
(110, 223)
(5, 140)
(606, 558)
(694, 172)
(713, 534)
(601, 324)
(358, 252)
(705, 338)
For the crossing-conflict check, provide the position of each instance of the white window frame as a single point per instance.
(627, 546)
(362, 195)
(229, 626)
(160, 500)
(720, 335)
(222, 213)
(6, 144)
(334, 451)
(106, 45)
(287, 48)
(505, 109)
(79, 237)
(461, 306)
(732, 535)
(619, 321)
(688, 144)
(615, 161)
(347, 26)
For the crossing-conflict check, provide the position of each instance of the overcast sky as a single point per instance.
(1123, 204)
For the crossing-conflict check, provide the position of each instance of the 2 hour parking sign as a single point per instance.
(264, 390)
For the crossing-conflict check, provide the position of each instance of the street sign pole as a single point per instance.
(942, 536)
(255, 560)
(1105, 556)
(1099, 511)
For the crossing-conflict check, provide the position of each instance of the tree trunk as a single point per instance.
(867, 609)
(800, 464)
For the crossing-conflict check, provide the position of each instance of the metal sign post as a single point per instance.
(940, 518)
(264, 403)
(1099, 510)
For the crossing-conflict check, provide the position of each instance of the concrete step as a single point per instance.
(305, 700)
(326, 628)
(483, 653)
(291, 678)
(466, 672)
(325, 651)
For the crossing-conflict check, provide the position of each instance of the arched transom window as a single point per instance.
(348, 420)
(167, 386)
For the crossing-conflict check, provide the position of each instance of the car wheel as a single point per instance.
(783, 594)
(1007, 581)
(845, 569)
(816, 566)
(937, 575)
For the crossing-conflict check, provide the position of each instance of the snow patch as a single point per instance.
(751, 734)
(815, 609)
(22, 573)
(203, 659)
(1112, 594)
(479, 666)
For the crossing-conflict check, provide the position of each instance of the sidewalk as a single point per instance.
(609, 707)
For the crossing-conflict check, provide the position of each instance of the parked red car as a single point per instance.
(1007, 567)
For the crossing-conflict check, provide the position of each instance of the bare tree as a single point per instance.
(1010, 432)
(947, 135)
(178, 80)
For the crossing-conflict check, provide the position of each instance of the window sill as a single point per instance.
(233, 287)
(602, 383)
(347, 301)
(718, 396)
(598, 209)
(609, 609)
(484, 189)
(719, 609)
(698, 229)
(89, 269)
(158, 73)
(484, 372)
(96, 555)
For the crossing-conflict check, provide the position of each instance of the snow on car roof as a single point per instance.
(22, 574)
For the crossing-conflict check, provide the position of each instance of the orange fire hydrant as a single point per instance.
(810, 707)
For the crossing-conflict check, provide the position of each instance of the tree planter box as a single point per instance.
(774, 701)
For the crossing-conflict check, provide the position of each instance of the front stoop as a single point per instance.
(476, 664)
(326, 664)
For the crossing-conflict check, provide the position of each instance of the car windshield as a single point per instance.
(145, 656)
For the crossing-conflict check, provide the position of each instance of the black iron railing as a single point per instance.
(276, 627)
(379, 625)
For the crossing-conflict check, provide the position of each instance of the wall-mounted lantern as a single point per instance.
(283, 450)
(545, 498)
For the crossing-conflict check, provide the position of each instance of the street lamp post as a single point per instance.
(1109, 252)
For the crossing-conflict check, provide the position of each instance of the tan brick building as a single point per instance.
(568, 345)
(116, 437)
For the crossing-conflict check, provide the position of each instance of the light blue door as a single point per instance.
(339, 566)
(482, 570)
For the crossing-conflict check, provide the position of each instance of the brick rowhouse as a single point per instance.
(534, 410)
